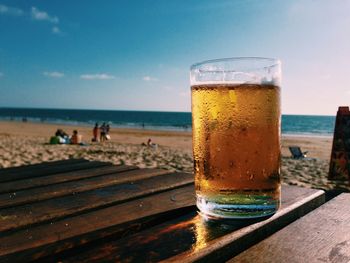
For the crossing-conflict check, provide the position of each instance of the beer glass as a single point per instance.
(236, 136)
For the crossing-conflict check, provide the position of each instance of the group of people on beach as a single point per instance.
(104, 133)
(61, 137)
(100, 134)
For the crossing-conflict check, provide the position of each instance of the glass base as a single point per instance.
(237, 206)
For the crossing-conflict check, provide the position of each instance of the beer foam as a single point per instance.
(232, 77)
(240, 70)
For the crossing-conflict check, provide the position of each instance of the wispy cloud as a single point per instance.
(35, 14)
(1, 75)
(53, 74)
(43, 16)
(13, 11)
(148, 78)
(56, 30)
(102, 76)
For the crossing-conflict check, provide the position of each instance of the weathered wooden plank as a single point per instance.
(16, 169)
(321, 236)
(198, 240)
(22, 216)
(11, 187)
(50, 169)
(119, 220)
(74, 187)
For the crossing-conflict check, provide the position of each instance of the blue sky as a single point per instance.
(135, 55)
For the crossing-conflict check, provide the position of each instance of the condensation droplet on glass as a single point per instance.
(250, 175)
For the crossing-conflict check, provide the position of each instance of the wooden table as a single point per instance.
(76, 210)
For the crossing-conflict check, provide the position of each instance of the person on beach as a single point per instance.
(60, 137)
(76, 138)
(103, 129)
(108, 137)
(95, 133)
(61, 133)
(151, 144)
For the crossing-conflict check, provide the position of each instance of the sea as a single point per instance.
(298, 125)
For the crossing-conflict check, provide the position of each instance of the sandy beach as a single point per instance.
(27, 143)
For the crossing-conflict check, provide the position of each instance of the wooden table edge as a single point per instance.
(222, 248)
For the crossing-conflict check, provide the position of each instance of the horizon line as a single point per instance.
(85, 109)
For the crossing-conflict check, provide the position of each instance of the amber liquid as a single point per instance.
(236, 146)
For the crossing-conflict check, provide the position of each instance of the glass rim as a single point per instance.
(274, 61)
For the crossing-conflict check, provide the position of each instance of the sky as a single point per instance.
(136, 55)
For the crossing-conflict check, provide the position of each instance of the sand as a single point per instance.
(27, 143)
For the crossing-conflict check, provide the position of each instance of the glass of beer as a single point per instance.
(236, 120)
